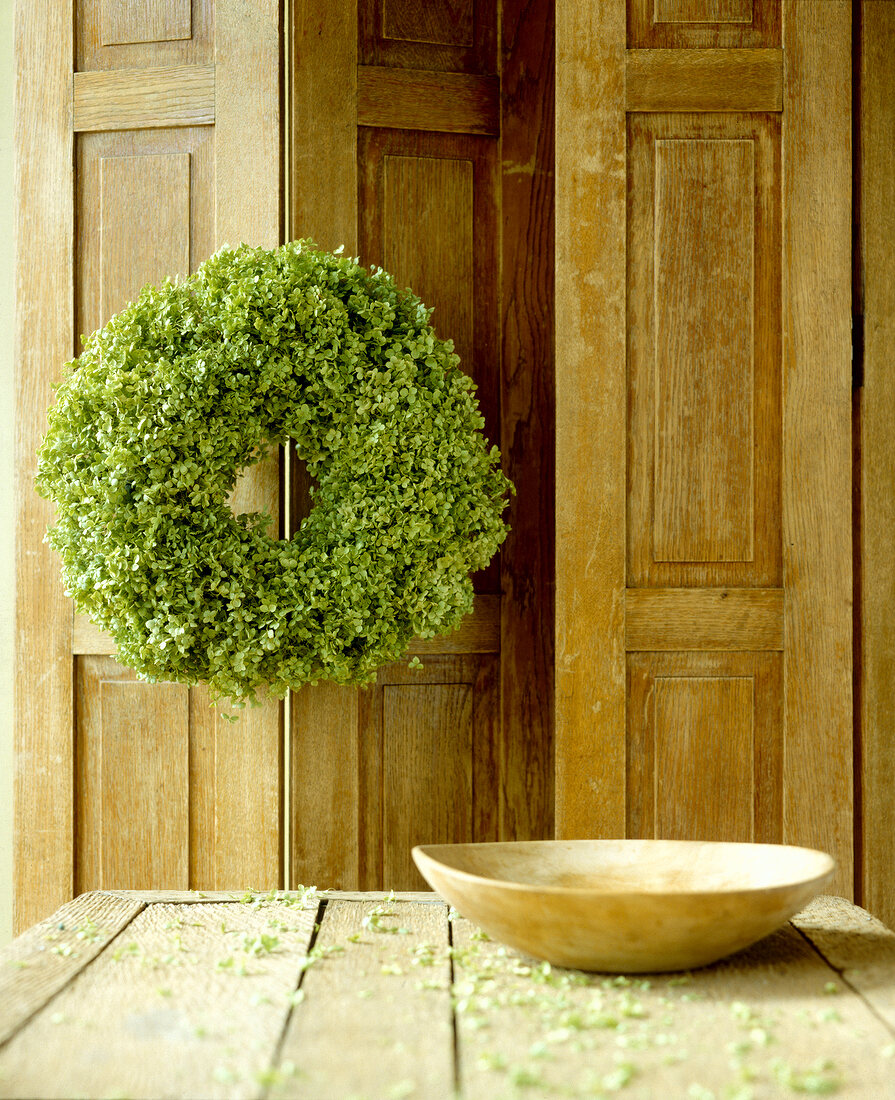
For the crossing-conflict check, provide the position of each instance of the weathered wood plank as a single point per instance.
(44, 340)
(365, 1028)
(590, 389)
(43, 960)
(247, 123)
(858, 945)
(146, 1019)
(704, 80)
(142, 99)
(189, 1001)
(877, 461)
(773, 1027)
(323, 64)
(409, 99)
(203, 897)
(703, 619)
(817, 461)
(204, 721)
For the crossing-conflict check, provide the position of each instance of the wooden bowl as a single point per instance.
(626, 905)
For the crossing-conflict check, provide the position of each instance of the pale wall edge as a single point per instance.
(7, 406)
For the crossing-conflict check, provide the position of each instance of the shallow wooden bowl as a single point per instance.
(621, 906)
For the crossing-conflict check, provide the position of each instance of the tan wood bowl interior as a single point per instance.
(626, 905)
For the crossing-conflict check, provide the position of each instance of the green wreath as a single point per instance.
(196, 380)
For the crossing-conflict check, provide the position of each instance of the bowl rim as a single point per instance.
(425, 850)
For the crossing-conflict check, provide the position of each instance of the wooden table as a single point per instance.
(358, 995)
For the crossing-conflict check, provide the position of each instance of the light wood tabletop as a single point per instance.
(333, 994)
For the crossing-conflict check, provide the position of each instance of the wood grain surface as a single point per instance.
(590, 391)
(344, 994)
(703, 349)
(144, 765)
(419, 195)
(323, 116)
(49, 954)
(126, 182)
(859, 945)
(703, 618)
(322, 204)
(129, 21)
(729, 356)
(704, 80)
(818, 776)
(527, 418)
(703, 727)
(428, 197)
(702, 11)
(411, 721)
(44, 337)
(704, 24)
(145, 98)
(367, 1026)
(440, 36)
(149, 33)
(154, 194)
(697, 1034)
(428, 732)
(135, 224)
(704, 775)
(247, 123)
(448, 24)
(324, 825)
(410, 99)
(160, 985)
(877, 461)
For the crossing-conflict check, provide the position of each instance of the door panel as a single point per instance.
(441, 36)
(704, 364)
(429, 741)
(136, 34)
(704, 753)
(703, 24)
(145, 769)
(703, 473)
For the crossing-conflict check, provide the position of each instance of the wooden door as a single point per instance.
(142, 147)
(421, 139)
(704, 642)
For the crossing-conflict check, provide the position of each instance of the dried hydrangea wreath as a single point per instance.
(196, 380)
